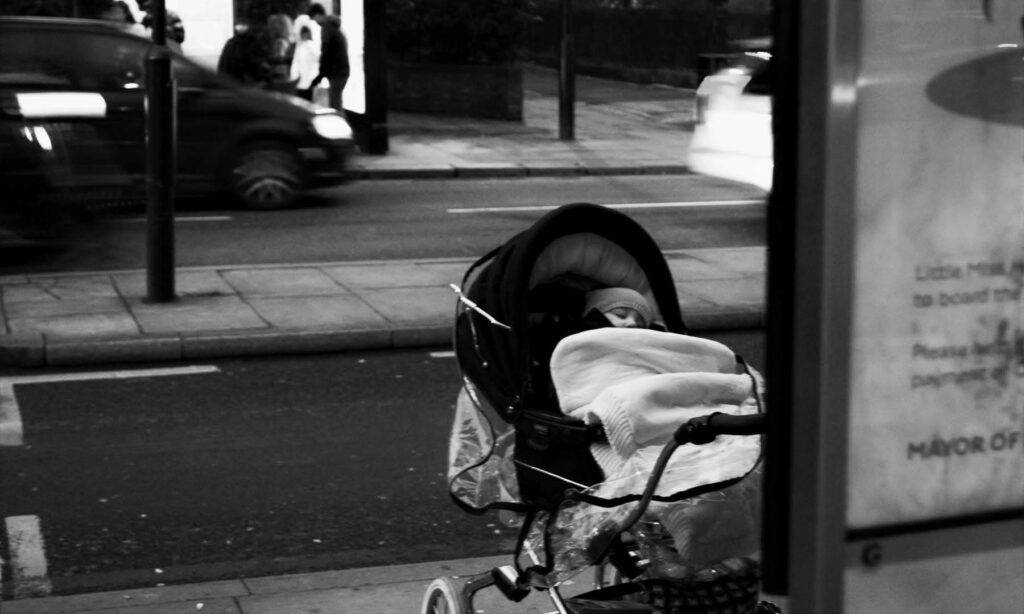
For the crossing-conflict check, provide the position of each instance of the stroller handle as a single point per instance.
(699, 430)
(704, 429)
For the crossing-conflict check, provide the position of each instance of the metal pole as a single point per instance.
(160, 162)
(567, 77)
(376, 72)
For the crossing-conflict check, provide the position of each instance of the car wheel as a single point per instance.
(266, 176)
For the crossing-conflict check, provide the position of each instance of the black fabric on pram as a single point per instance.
(526, 285)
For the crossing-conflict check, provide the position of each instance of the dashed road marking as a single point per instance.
(445, 354)
(10, 416)
(29, 573)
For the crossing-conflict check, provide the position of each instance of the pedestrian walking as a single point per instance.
(334, 67)
(305, 64)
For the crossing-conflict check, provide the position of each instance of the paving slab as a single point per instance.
(76, 325)
(732, 291)
(744, 260)
(54, 288)
(285, 281)
(339, 311)
(397, 274)
(187, 282)
(686, 269)
(86, 305)
(408, 306)
(196, 314)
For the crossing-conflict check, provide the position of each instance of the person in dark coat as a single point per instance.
(244, 57)
(333, 58)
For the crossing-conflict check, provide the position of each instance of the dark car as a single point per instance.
(84, 80)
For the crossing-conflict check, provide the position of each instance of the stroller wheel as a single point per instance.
(444, 596)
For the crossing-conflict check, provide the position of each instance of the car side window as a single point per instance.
(53, 58)
(28, 60)
(109, 62)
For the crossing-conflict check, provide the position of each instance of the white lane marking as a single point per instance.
(11, 429)
(125, 374)
(197, 218)
(28, 557)
(446, 354)
(10, 417)
(672, 205)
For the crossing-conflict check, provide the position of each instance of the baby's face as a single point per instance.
(625, 317)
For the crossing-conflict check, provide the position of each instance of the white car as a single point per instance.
(732, 138)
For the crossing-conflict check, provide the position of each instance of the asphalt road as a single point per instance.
(371, 220)
(261, 466)
(245, 468)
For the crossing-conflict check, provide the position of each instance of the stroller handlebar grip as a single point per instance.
(704, 429)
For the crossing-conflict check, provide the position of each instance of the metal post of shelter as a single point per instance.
(809, 316)
(567, 77)
(374, 126)
(160, 162)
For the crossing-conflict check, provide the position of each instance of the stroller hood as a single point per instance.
(547, 269)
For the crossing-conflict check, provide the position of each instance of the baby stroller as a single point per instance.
(521, 341)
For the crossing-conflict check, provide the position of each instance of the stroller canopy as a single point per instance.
(537, 280)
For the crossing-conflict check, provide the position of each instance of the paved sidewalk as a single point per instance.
(67, 319)
(642, 129)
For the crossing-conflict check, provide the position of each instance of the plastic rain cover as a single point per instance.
(481, 471)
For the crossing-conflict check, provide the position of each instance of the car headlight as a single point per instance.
(332, 126)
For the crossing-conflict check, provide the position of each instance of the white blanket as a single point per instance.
(641, 385)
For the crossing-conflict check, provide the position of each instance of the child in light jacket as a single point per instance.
(305, 63)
